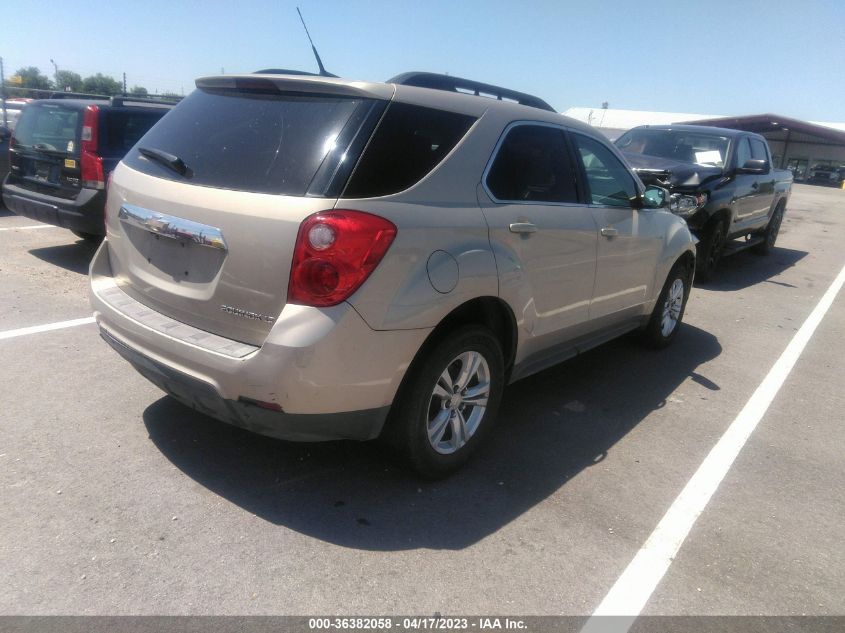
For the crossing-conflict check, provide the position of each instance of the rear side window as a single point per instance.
(265, 142)
(609, 181)
(533, 164)
(48, 127)
(121, 129)
(409, 142)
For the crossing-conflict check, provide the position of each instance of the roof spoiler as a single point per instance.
(285, 71)
(298, 83)
(449, 83)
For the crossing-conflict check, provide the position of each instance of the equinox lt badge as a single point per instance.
(255, 316)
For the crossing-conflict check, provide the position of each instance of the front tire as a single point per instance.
(710, 250)
(669, 310)
(448, 402)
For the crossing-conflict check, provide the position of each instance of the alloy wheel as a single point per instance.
(458, 402)
(672, 308)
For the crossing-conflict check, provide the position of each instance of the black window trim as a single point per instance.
(582, 198)
(583, 173)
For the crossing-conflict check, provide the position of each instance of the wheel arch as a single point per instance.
(491, 312)
(725, 214)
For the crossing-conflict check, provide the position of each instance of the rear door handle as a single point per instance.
(609, 232)
(522, 227)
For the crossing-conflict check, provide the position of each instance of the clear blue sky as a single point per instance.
(712, 57)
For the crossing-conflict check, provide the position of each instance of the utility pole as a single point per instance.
(124, 84)
(55, 74)
(3, 92)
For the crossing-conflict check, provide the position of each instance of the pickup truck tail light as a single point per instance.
(335, 252)
(90, 162)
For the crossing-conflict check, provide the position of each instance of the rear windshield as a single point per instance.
(48, 127)
(248, 141)
(121, 129)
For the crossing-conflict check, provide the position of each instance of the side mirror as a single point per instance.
(653, 198)
(754, 166)
(4, 132)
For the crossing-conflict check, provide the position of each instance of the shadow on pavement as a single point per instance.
(74, 257)
(745, 269)
(551, 427)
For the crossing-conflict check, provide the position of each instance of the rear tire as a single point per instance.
(770, 235)
(448, 402)
(710, 250)
(669, 310)
(91, 238)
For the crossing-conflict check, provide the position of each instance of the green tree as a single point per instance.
(31, 77)
(102, 85)
(68, 80)
(139, 91)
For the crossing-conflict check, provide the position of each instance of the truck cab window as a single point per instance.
(758, 149)
(743, 152)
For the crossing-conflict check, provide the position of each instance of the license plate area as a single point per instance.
(175, 259)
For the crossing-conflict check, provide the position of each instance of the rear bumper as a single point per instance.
(84, 214)
(332, 375)
(357, 425)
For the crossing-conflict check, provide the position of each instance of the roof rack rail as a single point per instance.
(76, 95)
(468, 86)
(117, 100)
(122, 100)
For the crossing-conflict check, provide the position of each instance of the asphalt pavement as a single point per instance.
(117, 500)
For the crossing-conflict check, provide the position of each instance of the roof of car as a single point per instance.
(440, 97)
(721, 131)
(116, 102)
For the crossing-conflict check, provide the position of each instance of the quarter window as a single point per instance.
(609, 181)
(408, 144)
(533, 165)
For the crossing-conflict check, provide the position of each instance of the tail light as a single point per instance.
(91, 163)
(335, 252)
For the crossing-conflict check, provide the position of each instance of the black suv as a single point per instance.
(62, 152)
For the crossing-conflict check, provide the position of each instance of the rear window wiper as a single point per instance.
(44, 147)
(168, 160)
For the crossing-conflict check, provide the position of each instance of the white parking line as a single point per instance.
(28, 227)
(47, 327)
(632, 590)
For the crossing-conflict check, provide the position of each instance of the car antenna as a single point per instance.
(323, 71)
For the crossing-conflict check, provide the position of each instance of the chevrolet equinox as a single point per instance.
(312, 258)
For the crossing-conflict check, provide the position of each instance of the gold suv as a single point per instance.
(313, 258)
